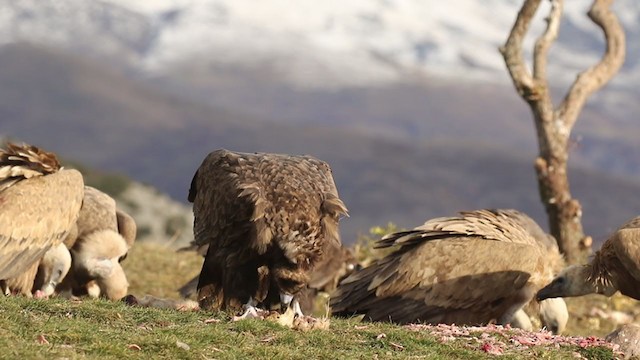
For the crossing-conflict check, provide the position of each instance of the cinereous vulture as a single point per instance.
(615, 267)
(39, 203)
(476, 268)
(266, 218)
(337, 263)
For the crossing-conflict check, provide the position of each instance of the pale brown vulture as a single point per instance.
(266, 218)
(39, 203)
(103, 236)
(476, 268)
(615, 267)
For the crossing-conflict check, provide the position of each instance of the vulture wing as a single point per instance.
(469, 269)
(38, 206)
(497, 225)
(464, 280)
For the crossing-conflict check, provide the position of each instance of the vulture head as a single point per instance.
(615, 267)
(575, 280)
(53, 267)
(99, 241)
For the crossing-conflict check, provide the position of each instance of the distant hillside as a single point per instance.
(102, 118)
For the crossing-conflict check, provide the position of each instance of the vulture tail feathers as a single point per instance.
(210, 290)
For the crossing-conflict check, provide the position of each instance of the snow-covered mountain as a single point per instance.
(310, 43)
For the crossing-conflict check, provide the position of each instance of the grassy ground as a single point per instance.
(38, 329)
(57, 328)
(158, 270)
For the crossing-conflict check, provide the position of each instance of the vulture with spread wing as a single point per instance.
(266, 218)
(39, 203)
(615, 267)
(480, 267)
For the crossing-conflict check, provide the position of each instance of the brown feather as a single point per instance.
(23, 283)
(36, 212)
(39, 203)
(104, 232)
(257, 210)
(475, 268)
(617, 263)
(126, 227)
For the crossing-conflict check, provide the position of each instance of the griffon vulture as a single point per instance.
(104, 235)
(615, 267)
(39, 203)
(266, 218)
(476, 268)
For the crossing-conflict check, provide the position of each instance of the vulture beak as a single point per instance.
(547, 292)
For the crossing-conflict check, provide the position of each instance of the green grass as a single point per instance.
(110, 330)
(158, 270)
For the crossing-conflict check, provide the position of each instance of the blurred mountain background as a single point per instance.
(408, 100)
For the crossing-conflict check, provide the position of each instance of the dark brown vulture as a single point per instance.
(615, 267)
(337, 263)
(39, 203)
(266, 218)
(476, 268)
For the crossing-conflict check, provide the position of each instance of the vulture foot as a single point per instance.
(39, 294)
(291, 303)
(251, 311)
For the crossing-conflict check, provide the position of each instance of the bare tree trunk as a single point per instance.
(553, 125)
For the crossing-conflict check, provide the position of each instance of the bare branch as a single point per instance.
(512, 51)
(543, 43)
(595, 77)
